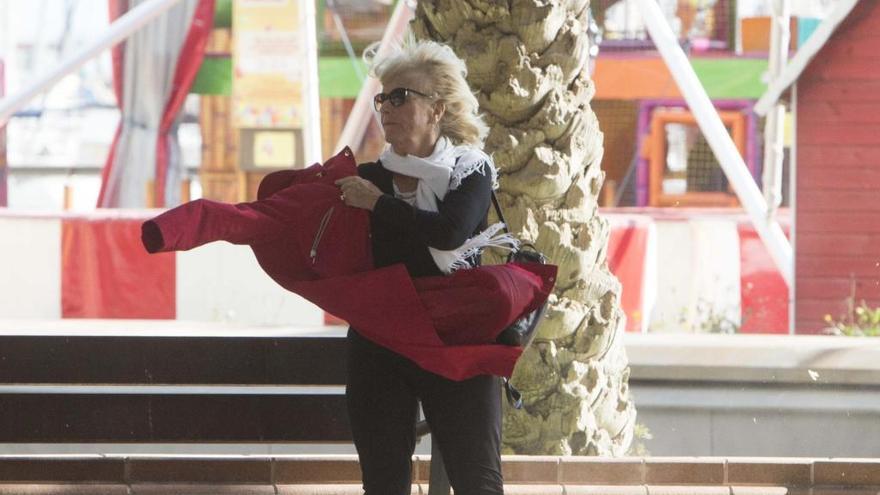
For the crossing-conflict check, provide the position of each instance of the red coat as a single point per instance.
(310, 243)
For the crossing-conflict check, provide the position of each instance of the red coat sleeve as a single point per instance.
(202, 221)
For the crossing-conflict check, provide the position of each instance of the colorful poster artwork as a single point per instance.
(269, 63)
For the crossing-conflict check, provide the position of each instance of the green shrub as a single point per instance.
(860, 321)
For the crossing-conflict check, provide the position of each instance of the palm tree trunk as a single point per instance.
(527, 61)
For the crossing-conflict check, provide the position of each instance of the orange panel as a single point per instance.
(633, 78)
(755, 32)
(657, 160)
(734, 121)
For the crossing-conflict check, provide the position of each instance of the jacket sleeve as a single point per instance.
(374, 173)
(458, 215)
(202, 221)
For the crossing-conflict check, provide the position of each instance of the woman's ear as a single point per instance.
(439, 110)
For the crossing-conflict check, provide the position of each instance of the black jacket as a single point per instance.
(402, 233)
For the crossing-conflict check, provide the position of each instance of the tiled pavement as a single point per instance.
(524, 475)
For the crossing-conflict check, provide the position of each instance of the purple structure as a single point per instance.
(646, 109)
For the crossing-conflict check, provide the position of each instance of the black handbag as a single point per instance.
(522, 331)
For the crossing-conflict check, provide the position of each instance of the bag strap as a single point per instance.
(497, 206)
(514, 397)
(498, 211)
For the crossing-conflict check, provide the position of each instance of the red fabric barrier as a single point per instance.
(105, 272)
(764, 299)
(627, 247)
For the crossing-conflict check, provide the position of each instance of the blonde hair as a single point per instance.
(445, 73)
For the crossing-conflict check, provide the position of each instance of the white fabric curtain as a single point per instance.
(150, 61)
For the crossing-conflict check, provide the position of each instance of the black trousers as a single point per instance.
(382, 392)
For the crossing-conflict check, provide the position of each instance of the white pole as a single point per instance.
(312, 125)
(792, 184)
(774, 130)
(118, 31)
(359, 118)
(718, 137)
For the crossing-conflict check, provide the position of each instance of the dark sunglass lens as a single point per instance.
(397, 96)
(378, 100)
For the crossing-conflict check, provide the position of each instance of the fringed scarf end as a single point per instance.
(475, 245)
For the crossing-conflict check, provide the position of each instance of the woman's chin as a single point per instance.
(398, 147)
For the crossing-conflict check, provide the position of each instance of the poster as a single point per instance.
(270, 70)
(274, 149)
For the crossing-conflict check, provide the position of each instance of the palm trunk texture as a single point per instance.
(527, 63)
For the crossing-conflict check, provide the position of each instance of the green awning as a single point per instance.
(214, 77)
(337, 77)
(731, 77)
(223, 13)
(722, 77)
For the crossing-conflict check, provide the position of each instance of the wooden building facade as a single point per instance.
(837, 229)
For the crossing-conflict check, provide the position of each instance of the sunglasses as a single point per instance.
(396, 96)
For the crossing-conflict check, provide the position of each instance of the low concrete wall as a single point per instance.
(757, 395)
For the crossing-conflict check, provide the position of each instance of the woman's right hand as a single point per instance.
(359, 192)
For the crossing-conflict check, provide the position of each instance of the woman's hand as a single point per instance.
(359, 192)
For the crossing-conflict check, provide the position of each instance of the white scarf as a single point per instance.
(440, 173)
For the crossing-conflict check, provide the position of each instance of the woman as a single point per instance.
(428, 197)
(373, 245)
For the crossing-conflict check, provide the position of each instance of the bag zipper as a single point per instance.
(321, 228)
